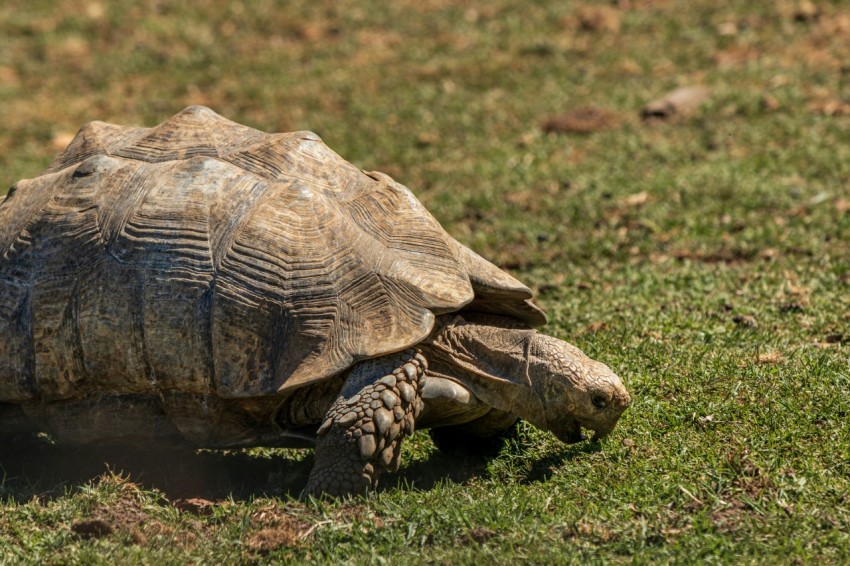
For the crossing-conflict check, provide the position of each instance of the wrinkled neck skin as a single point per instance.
(543, 380)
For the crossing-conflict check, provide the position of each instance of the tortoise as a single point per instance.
(204, 283)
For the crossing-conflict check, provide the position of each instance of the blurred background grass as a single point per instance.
(703, 256)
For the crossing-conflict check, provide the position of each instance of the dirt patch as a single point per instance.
(728, 256)
(196, 505)
(123, 517)
(594, 19)
(276, 528)
(589, 531)
(478, 535)
(92, 528)
(127, 518)
(584, 120)
(728, 519)
(270, 539)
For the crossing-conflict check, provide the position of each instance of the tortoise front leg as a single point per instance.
(362, 432)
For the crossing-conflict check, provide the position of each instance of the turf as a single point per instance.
(703, 257)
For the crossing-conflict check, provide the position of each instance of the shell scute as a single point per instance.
(209, 258)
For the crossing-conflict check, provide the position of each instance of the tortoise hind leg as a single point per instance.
(363, 429)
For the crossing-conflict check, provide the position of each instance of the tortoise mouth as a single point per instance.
(572, 433)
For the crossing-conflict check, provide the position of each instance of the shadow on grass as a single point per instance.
(37, 468)
(541, 469)
(426, 474)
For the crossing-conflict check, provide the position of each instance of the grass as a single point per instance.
(704, 257)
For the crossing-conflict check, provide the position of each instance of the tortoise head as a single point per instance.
(576, 391)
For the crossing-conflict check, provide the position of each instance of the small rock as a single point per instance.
(680, 102)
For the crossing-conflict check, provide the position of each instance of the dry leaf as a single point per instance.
(595, 327)
(774, 357)
(727, 29)
(806, 11)
(769, 103)
(637, 199)
(830, 107)
(582, 121)
(61, 140)
(9, 77)
(842, 205)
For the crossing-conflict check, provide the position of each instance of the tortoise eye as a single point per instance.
(599, 401)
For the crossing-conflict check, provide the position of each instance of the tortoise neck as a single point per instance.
(488, 355)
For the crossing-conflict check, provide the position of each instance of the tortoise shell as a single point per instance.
(206, 257)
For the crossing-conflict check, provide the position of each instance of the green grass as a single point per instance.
(720, 295)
